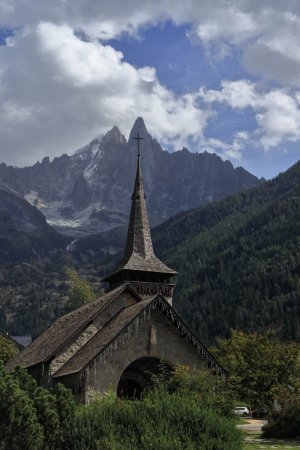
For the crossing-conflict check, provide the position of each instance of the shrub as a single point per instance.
(54, 409)
(284, 417)
(186, 412)
(20, 428)
(175, 415)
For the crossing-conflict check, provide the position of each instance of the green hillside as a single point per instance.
(238, 260)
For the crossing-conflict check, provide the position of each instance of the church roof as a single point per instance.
(107, 336)
(139, 254)
(66, 330)
(101, 339)
(63, 331)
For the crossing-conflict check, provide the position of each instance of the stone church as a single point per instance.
(125, 335)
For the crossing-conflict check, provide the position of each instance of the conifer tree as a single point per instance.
(20, 428)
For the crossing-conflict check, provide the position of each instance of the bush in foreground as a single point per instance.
(159, 421)
(187, 412)
(32, 418)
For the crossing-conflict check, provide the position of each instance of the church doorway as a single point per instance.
(139, 375)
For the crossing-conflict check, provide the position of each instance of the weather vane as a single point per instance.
(138, 138)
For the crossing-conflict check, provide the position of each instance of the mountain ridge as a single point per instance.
(90, 190)
(238, 260)
(24, 231)
(238, 263)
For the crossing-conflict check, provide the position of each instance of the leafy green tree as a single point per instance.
(257, 364)
(206, 388)
(7, 349)
(284, 417)
(20, 427)
(80, 291)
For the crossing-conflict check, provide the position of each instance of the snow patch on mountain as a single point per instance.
(32, 197)
(96, 153)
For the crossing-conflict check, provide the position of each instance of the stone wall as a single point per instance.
(156, 337)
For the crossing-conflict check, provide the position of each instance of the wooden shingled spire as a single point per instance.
(139, 262)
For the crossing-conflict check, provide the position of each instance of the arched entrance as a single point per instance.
(139, 375)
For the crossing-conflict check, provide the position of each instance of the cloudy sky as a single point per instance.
(215, 75)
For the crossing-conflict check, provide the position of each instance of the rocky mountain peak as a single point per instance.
(90, 191)
(139, 127)
(114, 136)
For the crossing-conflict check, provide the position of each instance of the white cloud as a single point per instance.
(267, 31)
(275, 52)
(280, 118)
(232, 151)
(237, 94)
(277, 111)
(57, 91)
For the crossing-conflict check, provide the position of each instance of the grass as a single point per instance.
(254, 441)
(269, 444)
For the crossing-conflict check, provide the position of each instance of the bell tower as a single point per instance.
(140, 268)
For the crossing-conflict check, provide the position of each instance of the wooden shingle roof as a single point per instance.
(120, 324)
(101, 339)
(63, 331)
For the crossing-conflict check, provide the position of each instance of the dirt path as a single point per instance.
(253, 440)
(253, 426)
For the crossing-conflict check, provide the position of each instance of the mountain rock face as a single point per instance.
(24, 232)
(90, 191)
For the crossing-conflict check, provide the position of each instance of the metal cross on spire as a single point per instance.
(138, 138)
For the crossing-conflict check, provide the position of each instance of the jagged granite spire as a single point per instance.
(139, 256)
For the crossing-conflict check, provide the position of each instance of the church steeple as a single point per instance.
(140, 267)
(139, 243)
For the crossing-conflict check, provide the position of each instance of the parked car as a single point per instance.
(241, 411)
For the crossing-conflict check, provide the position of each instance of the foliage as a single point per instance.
(66, 409)
(284, 417)
(184, 413)
(7, 349)
(80, 291)
(206, 388)
(44, 404)
(238, 263)
(31, 296)
(238, 260)
(257, 364)
(20, 427)
(33, 418)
